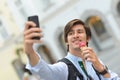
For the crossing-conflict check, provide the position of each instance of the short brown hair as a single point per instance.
(72, 23)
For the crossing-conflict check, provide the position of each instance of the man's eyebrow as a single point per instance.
(77, 30)
(71, 31)
(80, 29)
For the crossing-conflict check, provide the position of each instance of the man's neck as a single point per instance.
(76, 52)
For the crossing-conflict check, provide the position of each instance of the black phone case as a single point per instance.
(36, 21)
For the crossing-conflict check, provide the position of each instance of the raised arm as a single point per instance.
(31, 31)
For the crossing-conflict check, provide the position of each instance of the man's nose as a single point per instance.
(76, 35)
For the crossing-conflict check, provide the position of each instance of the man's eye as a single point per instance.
(80, 31)
(70, 33)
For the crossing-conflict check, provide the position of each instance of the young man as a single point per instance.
(74, 33)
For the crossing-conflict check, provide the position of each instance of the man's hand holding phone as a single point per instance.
(34, 19)
(32, 33)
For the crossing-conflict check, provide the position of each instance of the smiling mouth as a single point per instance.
(77, 41)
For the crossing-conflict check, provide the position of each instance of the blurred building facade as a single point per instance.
(102, 16)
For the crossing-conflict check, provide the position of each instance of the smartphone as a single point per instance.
(35, 19)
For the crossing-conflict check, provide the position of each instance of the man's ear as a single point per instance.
(88, 38)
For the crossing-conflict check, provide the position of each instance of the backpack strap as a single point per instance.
(97, 73)
(73, 73)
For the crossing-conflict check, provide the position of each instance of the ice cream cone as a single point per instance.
(82, 45)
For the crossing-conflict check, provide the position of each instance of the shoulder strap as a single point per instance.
(73, 73)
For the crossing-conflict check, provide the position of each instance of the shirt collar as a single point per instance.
(73, 57)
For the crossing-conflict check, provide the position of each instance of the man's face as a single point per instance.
(76, 35)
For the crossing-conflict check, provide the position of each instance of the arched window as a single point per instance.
(62, 42)
(98, 27)
(3, 31)
(4, 35)
(59, 38)
(114, 18)
(100, 35)
(45, 54)
(118, 8)
(20, 6)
